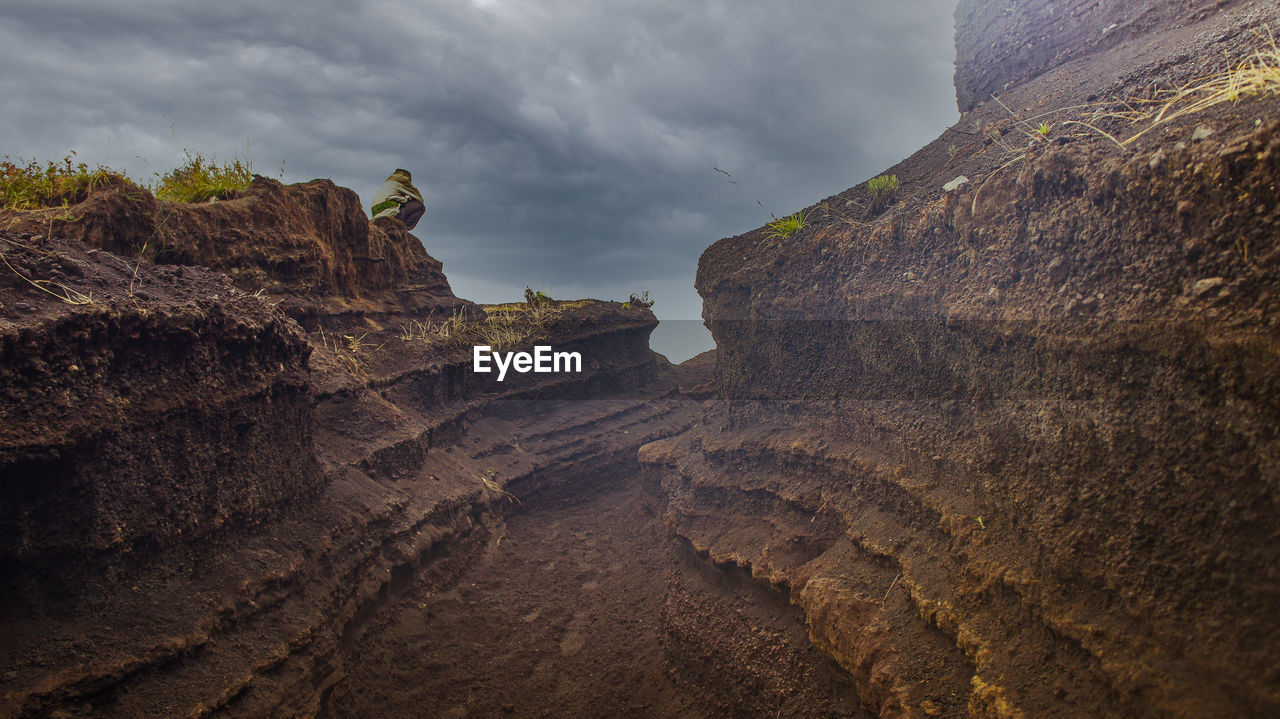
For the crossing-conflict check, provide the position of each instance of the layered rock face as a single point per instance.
(306, 244)
(1008, 450)
(154, 407)
(201, 500)
(1011, 447)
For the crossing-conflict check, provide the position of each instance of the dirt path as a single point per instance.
(561, 618)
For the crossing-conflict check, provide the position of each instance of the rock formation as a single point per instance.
(1005, 449)
(1012, 447)
(214, 464)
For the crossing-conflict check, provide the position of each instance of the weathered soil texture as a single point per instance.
(221, 500)
(1012, 448)
(1001, 47)
(167, 406)
(1008, 450)
(209, 550)
(309, 246)
(560, 617)
(581, 608)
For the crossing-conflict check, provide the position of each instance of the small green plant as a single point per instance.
(1043, 129)
(880, 185)
(536, 298)
(30, 185)
(640, 300)
(785, 227)
(200, 179)
(952, 150)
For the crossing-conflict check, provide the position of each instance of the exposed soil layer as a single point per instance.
(157, 405)
(1011, 446)
(307, 246)
(204, 500)
(1004, 450)
(580, 608)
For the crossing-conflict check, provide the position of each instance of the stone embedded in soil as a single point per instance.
(1207, 285)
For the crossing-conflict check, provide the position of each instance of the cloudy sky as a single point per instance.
(568, 145)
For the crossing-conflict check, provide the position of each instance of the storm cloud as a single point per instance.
(562, 144)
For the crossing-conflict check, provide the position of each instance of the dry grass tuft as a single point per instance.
(57, 289)
(492, 485)
(1257, 75)
(503, 326)
(345, 349)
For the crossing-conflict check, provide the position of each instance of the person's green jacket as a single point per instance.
(399, 198)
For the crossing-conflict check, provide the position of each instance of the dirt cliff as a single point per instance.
(1001, 46)
(1005, 449)
(202, 500)
(309, 245)
(1011, 446)
(252, 473)
(155, 405)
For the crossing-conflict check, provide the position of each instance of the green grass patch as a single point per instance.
(31, 185)
(201, 179)
(879, 185)
(784, 227)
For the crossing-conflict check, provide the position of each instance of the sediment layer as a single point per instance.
(1011, 447)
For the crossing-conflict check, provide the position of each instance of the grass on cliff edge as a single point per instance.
(201, 179)
(884, 183)
(502, 327)
(783, 227)
(31, 186)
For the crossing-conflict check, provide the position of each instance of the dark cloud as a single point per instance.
(567, 145)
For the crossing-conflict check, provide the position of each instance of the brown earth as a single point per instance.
(581, 607)
(169, 378)
(1012, 447)
(1004, 451)
(308, 246)
(206, 508)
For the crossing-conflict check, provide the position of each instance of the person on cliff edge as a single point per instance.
(399, 198)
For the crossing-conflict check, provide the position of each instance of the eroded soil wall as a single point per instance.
(1012, 447)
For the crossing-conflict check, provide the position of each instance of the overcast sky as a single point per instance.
(564, 144)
